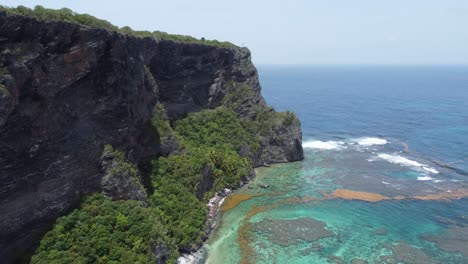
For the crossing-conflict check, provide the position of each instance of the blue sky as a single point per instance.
(302, 31)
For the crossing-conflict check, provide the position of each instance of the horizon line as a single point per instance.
(359, 64)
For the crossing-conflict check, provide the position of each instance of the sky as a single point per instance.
(302, 31)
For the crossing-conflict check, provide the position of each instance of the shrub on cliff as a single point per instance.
(223, 168)
(64, 14)
(182, 212)
(183, 182)
(106, 231)
(220, 128)
(209, 163)
(67, 15)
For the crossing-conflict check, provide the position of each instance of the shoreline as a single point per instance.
(214, 213)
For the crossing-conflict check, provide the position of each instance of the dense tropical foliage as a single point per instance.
(106, 231)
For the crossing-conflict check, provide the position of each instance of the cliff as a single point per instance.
(68, 90)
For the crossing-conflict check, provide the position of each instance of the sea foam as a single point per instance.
(327, 145)
(431, 170)
(370, 141)
(396, 159)
(424, 178)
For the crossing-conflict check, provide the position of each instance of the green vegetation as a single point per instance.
(236, 95)
(67, 15)
(220, 128)
(106, 231)
(122, 164)
(226, 168)
(177, 179)
(4, 91)
(120, 173)
(183, 213)
(266, 119)
(160, 123)
(3, 70)
(64, 14)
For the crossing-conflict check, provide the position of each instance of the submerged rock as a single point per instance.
(380, 231)
(359, 261)
(290, 232)
(335, 260)
(314, 248)
(455, 239)
(404, 253)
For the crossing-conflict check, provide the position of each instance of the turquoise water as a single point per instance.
(399, 132)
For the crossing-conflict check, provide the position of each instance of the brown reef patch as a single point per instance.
(355, 195)
(375, 197)
(248, 254)
(448, 195)
(235, 199)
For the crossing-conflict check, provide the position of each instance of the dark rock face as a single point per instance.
(194, 77)
(72, 90)
(67, 90)
(284, 144)
(121, 180)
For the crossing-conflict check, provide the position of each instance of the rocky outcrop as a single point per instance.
(121, 180)
(68, 90)
(283, 143)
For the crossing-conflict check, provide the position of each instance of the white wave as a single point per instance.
(327, 145)
(396, 159)
(386, 183)
(369, 141)
(431, 170)
(424, 178)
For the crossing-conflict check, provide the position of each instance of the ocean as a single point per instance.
(385, 175)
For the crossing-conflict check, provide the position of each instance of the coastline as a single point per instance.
(214, 213)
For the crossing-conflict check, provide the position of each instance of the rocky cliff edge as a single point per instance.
(67, 90)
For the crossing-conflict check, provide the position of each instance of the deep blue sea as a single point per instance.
(385, 175)
(425, 106)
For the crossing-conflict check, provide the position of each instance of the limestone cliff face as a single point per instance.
(67, 90)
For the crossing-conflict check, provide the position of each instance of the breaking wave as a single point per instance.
(425, 178)
(396, 159)
(336, 145)
(369, 141)
(327, 145)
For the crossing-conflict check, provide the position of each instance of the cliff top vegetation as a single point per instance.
(69, 16)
